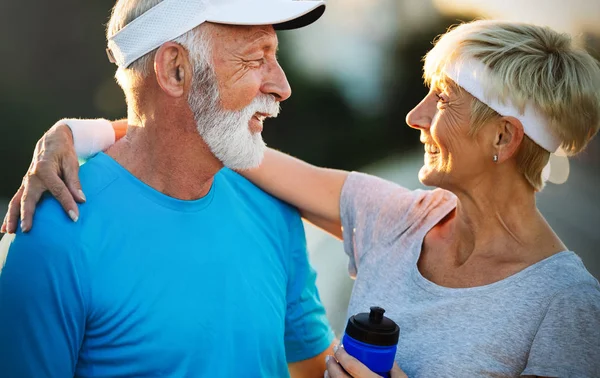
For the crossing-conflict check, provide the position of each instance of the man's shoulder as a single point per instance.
(247, 192)
(52, 226)
(96, 174)
(52, 241)
(50, 219)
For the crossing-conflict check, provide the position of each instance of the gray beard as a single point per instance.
(227, 132)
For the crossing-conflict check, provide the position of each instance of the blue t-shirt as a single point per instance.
(148, 285)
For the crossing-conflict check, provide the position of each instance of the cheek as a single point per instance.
(452, 135)
(238, 93)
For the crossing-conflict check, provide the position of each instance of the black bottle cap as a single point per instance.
(373, 328)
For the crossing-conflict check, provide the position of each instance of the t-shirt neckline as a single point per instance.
(434, 288)
(156, 196)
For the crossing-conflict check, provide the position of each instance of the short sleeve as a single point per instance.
(567, 343)
(307, 331)
(375, 211)
(42, 311)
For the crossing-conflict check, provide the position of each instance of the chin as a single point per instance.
(428, 177)
(245, 156)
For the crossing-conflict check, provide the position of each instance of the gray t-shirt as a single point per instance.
(543, 320)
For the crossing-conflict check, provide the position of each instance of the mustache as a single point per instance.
(264, 104)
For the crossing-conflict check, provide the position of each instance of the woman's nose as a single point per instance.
(421, 115)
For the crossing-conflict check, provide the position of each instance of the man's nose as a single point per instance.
(276, 84)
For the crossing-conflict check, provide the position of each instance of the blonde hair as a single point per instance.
(124, 12)
(528, 64)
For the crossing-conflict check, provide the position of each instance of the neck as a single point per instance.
(166, 152)
(499, 218)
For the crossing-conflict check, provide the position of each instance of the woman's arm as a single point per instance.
(313, 190)
(120, 128)
(55, 167)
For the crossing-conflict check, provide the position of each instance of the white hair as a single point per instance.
(226, 132)
(195, 41)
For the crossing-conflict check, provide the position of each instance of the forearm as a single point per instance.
(313, 190)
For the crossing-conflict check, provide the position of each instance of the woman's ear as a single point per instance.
(508, 138)
(172, 68)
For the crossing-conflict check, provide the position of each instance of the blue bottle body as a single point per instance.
(379, 359)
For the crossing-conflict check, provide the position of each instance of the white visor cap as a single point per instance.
(172, 18)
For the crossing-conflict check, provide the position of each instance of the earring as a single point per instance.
(495, 158)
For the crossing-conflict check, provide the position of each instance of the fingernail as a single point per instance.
(327, 358)
(326, 375)
(82, 196)
(335, 348)
(73, 216)
(24, 227)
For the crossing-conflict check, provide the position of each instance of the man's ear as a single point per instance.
(172, 68)
(508, 138)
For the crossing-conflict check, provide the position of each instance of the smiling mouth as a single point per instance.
(431, 149)
(260, 117)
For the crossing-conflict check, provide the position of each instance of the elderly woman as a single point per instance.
(475, 277)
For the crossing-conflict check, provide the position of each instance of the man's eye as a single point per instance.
(255, 63)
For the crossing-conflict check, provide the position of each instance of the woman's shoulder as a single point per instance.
(563, 276)
(380, 209)
(369, 192)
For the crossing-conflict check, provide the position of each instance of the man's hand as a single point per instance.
(344, 365)
(54, 168)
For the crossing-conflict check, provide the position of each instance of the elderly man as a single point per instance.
(177, 266)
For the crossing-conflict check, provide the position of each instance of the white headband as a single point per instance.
(171, 18)
(471, 75)
(164, 22)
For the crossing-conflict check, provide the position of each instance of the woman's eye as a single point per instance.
(442, 99)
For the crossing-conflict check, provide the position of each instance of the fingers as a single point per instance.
(62, 194)
(54, 157)
(14, 210)
(351, 365)
(70, 169)
(334, 370)
(31, 196)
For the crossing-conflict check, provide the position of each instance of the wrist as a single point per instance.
(90, 136)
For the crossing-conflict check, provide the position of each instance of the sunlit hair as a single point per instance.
(195, 41)
(527, 64)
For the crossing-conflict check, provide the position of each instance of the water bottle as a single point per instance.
(372, 339)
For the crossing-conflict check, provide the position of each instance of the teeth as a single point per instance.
(261, 117)
(431, 149)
